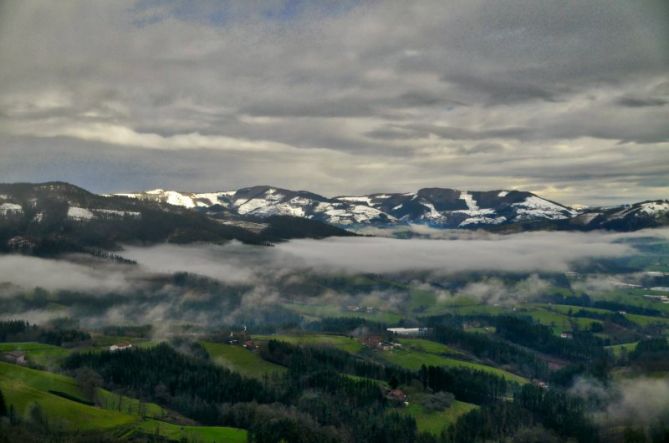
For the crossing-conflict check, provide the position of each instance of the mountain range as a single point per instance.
(52, 218)
(55, 217)
(499, 210)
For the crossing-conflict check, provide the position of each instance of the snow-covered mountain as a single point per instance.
(626, 217)
(52, 218)
(439, 207)
(58, 217)
(264, 201)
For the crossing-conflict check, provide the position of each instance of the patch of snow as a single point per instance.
(654, 208)
(503, 194)
(323, 207)
(116, 213)
(177, 199)
(273, 195)
(469, 201)
(76, 213)
(482, 220)
(300, 201)
(357, 199)
(475, 212)
(287, 209)
(251, 205)
(536, 207)
(10, 208)
(363, 213)
(433, 214)
(588, 218)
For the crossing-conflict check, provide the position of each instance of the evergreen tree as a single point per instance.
(3, 405)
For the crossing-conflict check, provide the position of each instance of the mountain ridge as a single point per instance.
(497, 210)
(56, 217)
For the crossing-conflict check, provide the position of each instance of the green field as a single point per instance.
(348, 344)
(618, 349)
(41, 354)
(24, 387)
(412, 358)
(429, 346)
(414, 353)
(50, 356)
(239, 359)
(193, 433)
(641, 320)
(435, 421)
(555, 318)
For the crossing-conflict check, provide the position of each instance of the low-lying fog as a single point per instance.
(540, 251)
(251, 277)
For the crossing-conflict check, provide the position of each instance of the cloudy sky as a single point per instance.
(569, 99)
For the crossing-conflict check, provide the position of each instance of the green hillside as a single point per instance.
(239, 359)
(66, 409)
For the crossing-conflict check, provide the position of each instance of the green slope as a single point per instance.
(435, 421)
(200, 434)
(414, 357)
(24, 387)
(239, 359)
(347, 344)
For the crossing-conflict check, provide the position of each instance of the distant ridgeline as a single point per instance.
(435, 207)
(51, 218)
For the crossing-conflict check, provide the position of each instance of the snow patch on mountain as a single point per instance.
(79, 214)
(536, 207)
(116, 213)
(433, 206)
(357, 199)
(469, 201)
(10, 208)
(653, 208)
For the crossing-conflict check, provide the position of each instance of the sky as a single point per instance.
(567, 99)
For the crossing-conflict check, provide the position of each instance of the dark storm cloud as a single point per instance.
(569, 100)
